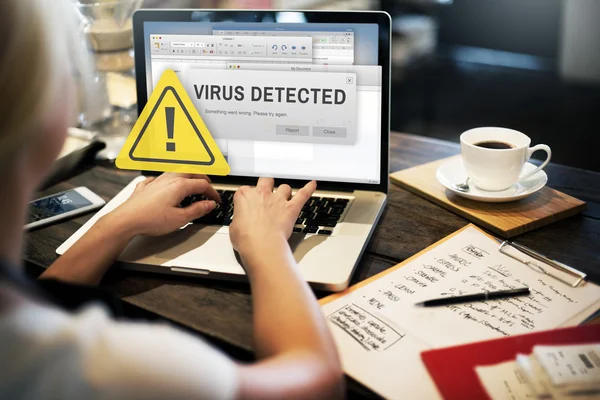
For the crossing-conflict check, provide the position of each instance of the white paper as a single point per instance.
(583, 387)
(505, 381)
(539, 383)
(467, 263)
(574, 364)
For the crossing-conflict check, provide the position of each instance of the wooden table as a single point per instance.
(222, 312)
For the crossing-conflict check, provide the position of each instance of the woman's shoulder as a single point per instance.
(27, 320)
(36, 341)
(91, 351)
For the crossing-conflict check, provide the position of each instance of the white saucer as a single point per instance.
(453, 172)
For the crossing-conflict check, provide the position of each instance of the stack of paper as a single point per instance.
(549, 372)
(562, 371)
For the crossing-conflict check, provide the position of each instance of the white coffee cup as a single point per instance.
(498, 169)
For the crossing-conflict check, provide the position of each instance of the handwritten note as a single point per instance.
(368, 330)
(381, 317)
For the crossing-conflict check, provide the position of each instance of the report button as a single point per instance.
(293, 130)
(327, 131)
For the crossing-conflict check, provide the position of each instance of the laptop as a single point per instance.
(294, 95)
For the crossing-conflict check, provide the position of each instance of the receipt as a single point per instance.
(574, 364)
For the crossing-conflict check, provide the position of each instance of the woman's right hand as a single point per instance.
(263, 216)
(297, 354)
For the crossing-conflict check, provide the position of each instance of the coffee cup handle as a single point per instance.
(530, 151)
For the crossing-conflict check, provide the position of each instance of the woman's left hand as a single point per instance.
(153, 208)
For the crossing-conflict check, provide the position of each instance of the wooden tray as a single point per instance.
(505, 219)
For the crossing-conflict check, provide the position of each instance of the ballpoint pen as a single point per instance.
(501, 294)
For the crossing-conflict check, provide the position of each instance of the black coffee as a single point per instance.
(492, 144)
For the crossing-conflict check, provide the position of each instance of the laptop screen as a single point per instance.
(287, 100)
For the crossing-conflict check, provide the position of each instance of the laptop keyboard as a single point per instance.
(318, 216)
(221, 215)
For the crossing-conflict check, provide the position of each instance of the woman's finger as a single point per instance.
(302, 195)
(205, 177)
(284, 191)
(192, 176)
(266, 183)
(198, 186)
(198, 209)
(241, 192)
(168, 177)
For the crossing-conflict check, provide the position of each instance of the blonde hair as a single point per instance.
(39, 47)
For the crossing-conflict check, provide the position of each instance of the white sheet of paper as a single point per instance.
(379, 331)
(505, 381)
(575, 364)
(538, 381)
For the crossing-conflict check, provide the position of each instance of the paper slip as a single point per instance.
(567, 365)
(380, 332)
(526, 379)
(505, 381)
(538, 381)
(551, 372)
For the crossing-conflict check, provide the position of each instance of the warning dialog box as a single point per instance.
(310, 107)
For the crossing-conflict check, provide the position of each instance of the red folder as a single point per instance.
(453, 368)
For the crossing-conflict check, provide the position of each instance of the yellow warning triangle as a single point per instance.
(170, 136)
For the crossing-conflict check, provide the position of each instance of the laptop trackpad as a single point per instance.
(301, 245)
(169, 246)
(193, 237)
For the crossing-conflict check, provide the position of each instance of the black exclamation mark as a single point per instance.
(170, 114)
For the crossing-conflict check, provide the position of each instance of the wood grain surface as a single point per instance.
(505, 219)
(222, 312)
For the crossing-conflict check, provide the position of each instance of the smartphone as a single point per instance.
(61, 206)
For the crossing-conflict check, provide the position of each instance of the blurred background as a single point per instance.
(530, 65)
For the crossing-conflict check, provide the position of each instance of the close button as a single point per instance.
(328, 131)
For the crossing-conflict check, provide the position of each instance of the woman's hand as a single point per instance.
(261, 215)
(297, 355)
(153, 208)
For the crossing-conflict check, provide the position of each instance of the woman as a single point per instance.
(46, 352)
